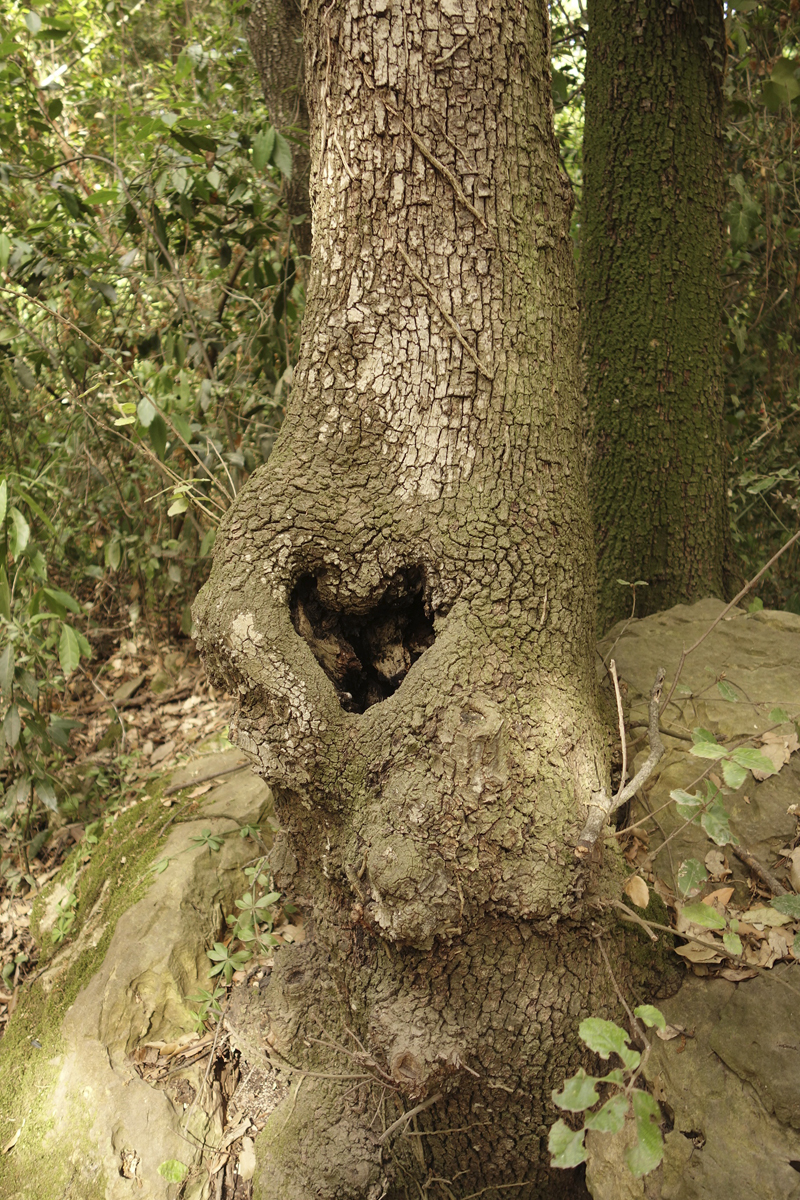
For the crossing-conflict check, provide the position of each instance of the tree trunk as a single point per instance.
(651, 254)
(403, 600)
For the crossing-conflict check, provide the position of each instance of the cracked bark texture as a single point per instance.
(651, 255)
(403, 600)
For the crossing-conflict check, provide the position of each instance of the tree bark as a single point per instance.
(403, 600)
(651, 255)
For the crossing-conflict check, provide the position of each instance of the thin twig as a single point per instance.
(601, 805)
(447, 317)
(412, 1112)
(613, 668)
(774, 885)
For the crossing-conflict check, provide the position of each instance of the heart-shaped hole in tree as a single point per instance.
(367, 654)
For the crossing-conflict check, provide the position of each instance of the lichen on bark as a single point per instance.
(403, 601)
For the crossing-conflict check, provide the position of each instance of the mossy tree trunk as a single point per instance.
(403, 600)
(651, 250)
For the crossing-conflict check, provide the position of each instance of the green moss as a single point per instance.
(30, 1052)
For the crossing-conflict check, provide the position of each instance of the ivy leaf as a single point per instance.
(566, 1146)
(652, 1016)
(578, 1093)
(611, 1117)
(605, 1038)
(649, 1149)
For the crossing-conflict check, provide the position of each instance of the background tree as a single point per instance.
(651, 291)
(403, 601)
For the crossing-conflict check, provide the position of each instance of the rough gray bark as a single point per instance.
(403, 600)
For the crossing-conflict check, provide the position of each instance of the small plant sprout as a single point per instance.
(579, 1095)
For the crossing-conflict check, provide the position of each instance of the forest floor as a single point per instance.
(141, 712)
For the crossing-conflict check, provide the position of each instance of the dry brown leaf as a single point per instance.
(737, 974)
(638, 891)
(669, 1032)
(715, 864)
(778, 747)
(698, 954)
(766, 916)
(720, 897)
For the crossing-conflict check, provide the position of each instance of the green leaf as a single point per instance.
(207, 543)
(715, 822)
(707, 750)
(652, 1017)
(796, 945)
(46, 793)
(113, 554)
(183, 66)
(5, 250)
(263, 145)
(578, 1093)
(790, 905)
(104, 289)
(5, 595)
(778, 715)
(146, 411)
(649, 1149)
(605, 1038)
(158, 436)
(732, 943)
(686, 799)
(62, 598)
(3, 500)
(173, 1170)
(691, 874)
(33, 21)
(733, 774)
(783, 75)
(7, 670)
(699, 734)
(282, 155)
(69, 653)
(611, 1117)
(753, 760)
(566, 1146)
(726, 691)
(20, 532)
(179, 505)
(12, 726)
(703, 914)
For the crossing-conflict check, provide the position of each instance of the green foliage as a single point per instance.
(580, 1095)
(762, 86)
(150, 299)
